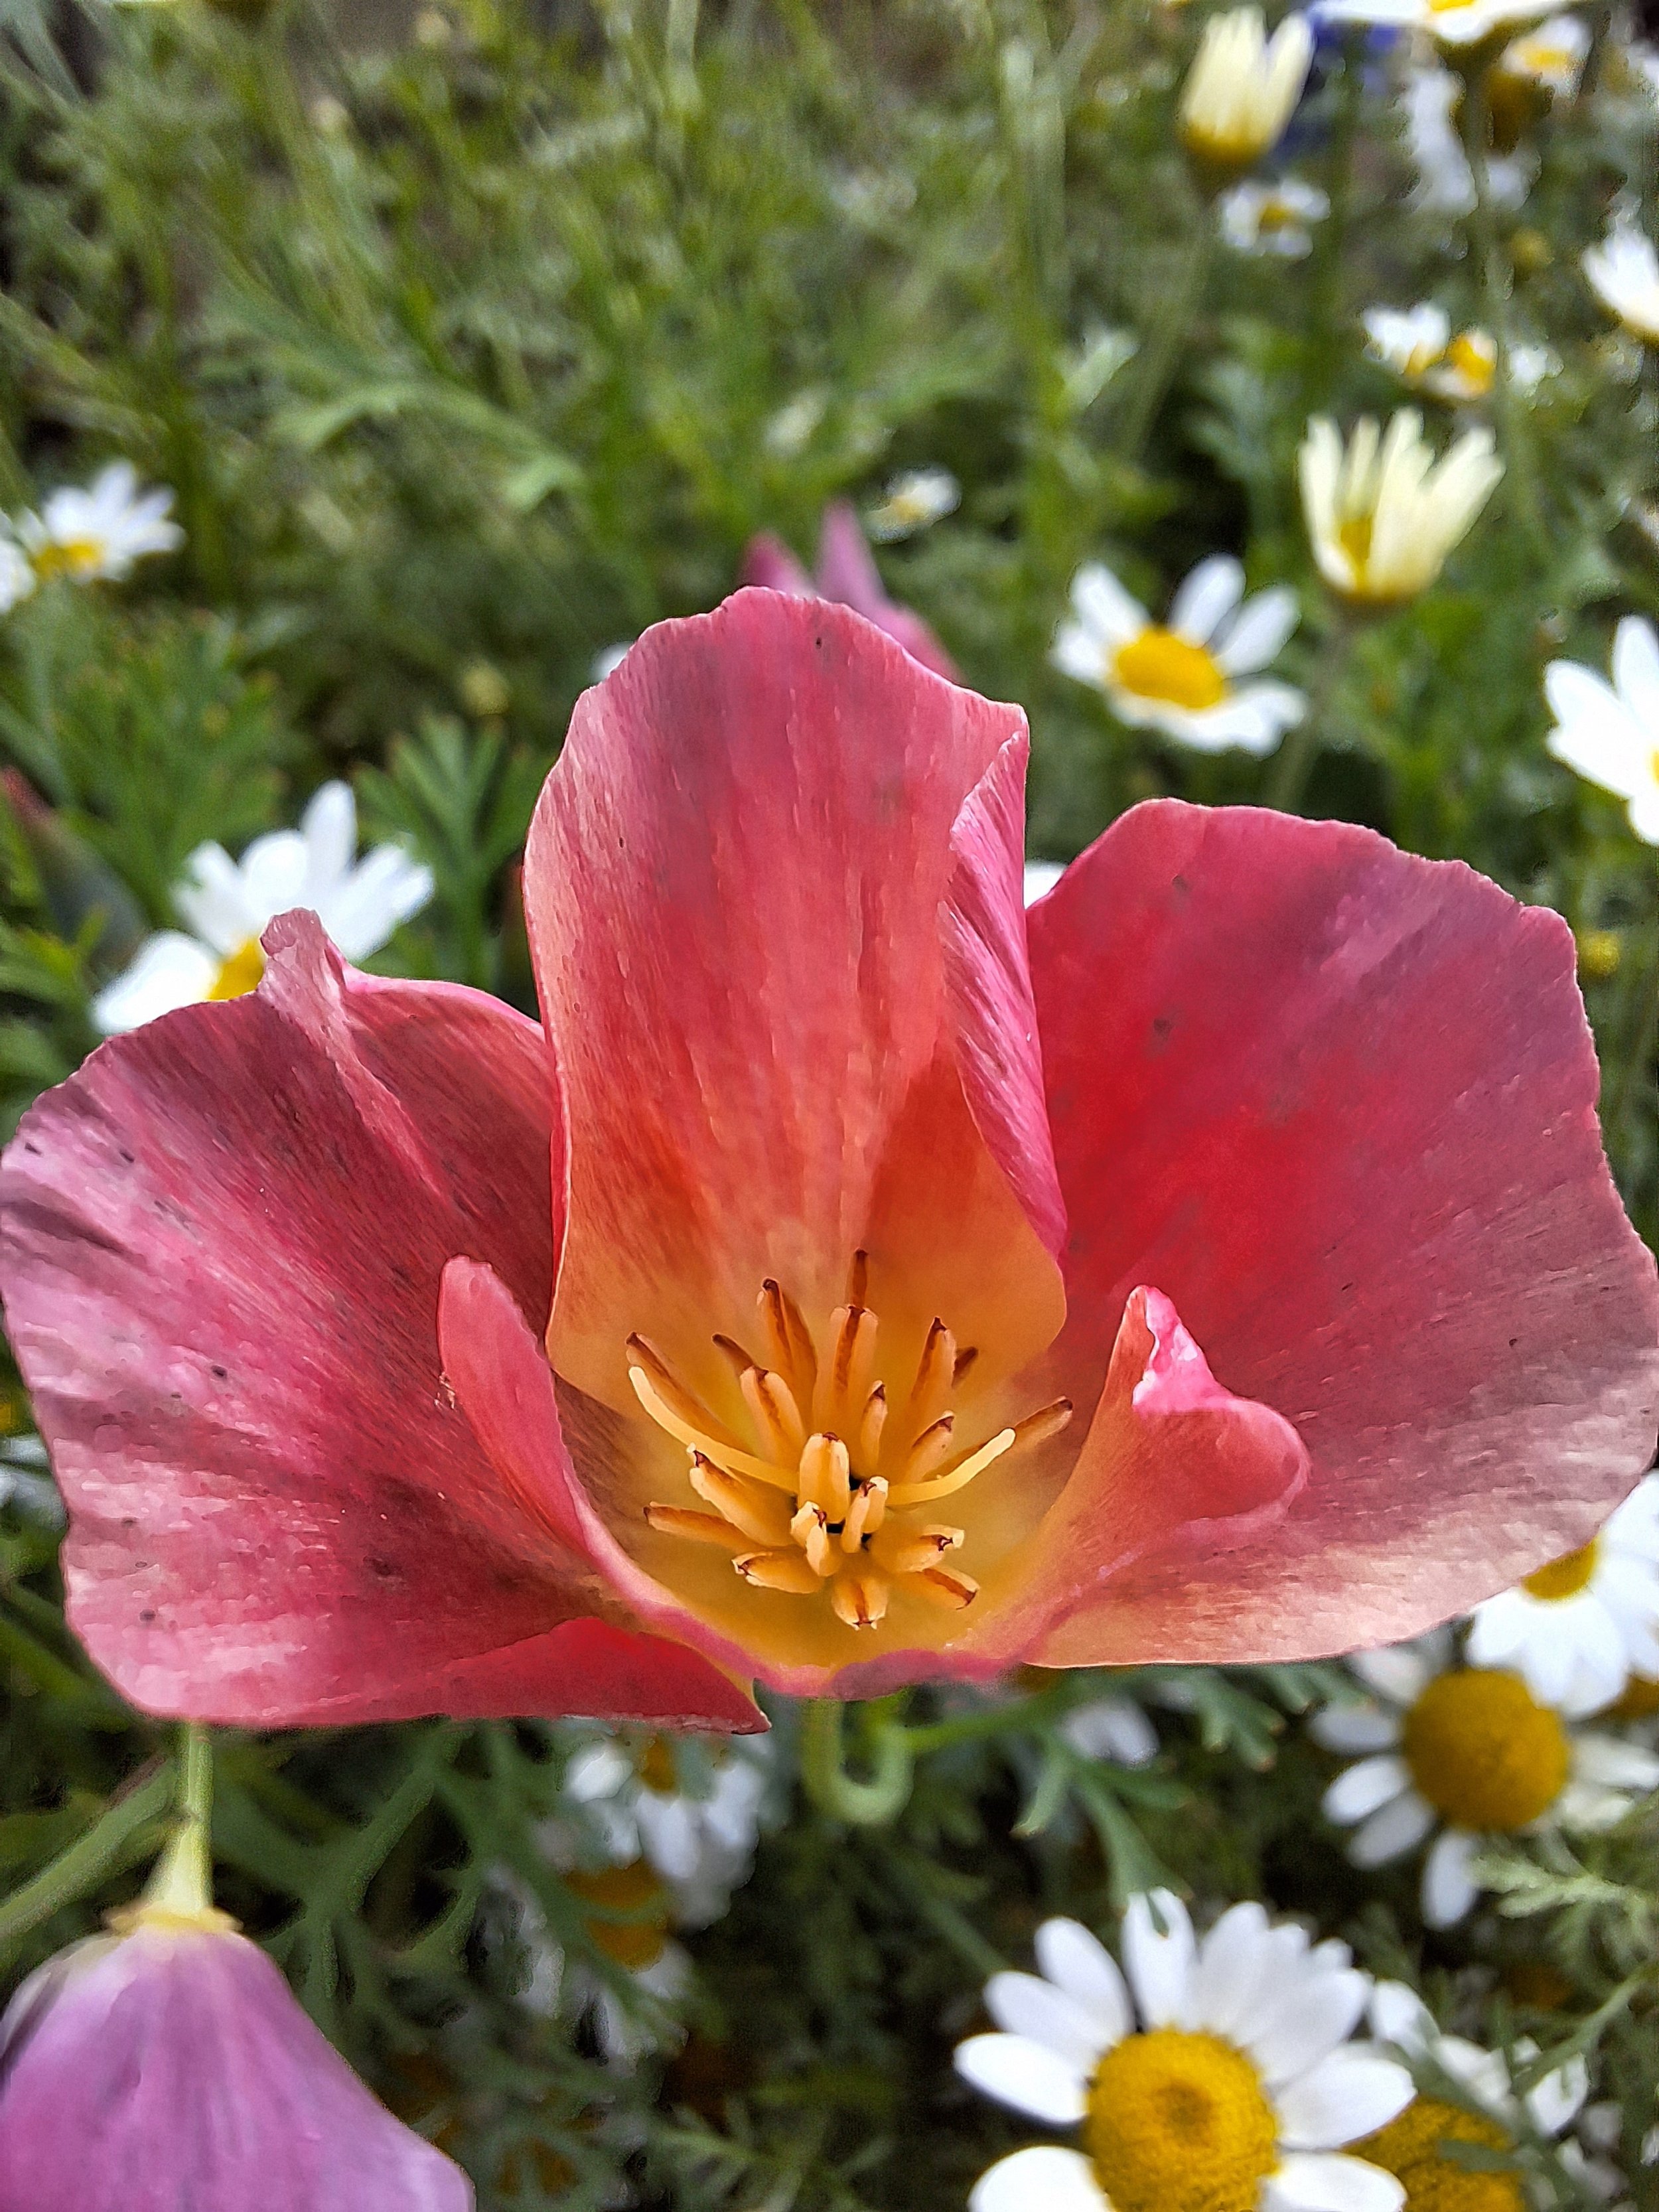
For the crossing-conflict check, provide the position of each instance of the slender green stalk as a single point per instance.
(1495, 289)
(1328, 333)
(1161, 356)
(111, 1843)
(1290, 771)
(862, 1804)
(1639, 1052)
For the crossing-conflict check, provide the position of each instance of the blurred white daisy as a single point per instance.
(911, 502)
(1452, 24)
(1226, 2078)
(1578, 1629)
(1418, 343)
(101, 531)
(1182, 676)
(1468, 1751)
(1490, 2113)
(17, 576)
(1381, 513)
(228, 903)
(1550, 55)
(1243, 86)
(1115, 1729)
(689, 1808)
(627, 1918)
(1624, 274)
(1274, 219)
(1444, 186)
(1608, 732)
(1041, 876)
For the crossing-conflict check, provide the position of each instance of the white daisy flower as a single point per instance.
(689, 1809)
(1468, 1751)
(1383, 514)
(1458, 24)
(1624, 274)
(1411, 2145)
(1229, 2079)
(628, 1922)
(1608, 732)
(912, 502)
(17, 576)
(228, 903)
(608, 662)
(1444, 184)
(1040, 877)
(1180, 677)
(1274, 219)
(1115, 1729)
(1243, 86)
(1551, 55)
(101, 531)
(1419, 345)
(1578, 1629)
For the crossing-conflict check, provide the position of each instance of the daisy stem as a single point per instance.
(1297, 755)
(1495, 288)
(114, 1840)
(823, 1771)
(1162, 357)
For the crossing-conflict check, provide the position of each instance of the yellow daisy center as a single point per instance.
(1564, 1577)
(1179, 2122)
(80, 558)
(640, 1940)
(1354, 537)
(830, 1489)
(1275, 214)
(1409, 2148)
(656, 1767)
(1158, 664)
(239, 971)
(1638, 1701)
(1473, 361)
(1483, 1751)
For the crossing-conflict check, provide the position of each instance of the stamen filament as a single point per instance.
(825, 1478)
(791, 1340)
(930, 1450)
(944, 1588)
(904, 1551)
(872, 1422)
(933, 1372)
(762, 1516)
(811, 1532)
(696, 1527)
(957, 1477)
(771, 1403)
(694, 1439)
(866, 1514)
(859, 1596)
(674, 1394)
(787, 1571)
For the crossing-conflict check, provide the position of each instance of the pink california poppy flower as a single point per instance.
(847, 573)
(172, 2066)
(1217, 1262)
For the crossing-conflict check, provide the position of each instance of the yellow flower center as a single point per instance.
(631, 1923)
(830, 1489)
(656, 1767)
(1564, 1577)
(1638, 1701)
(1483, 1751)
(1158, 664)
(1179, 2122)
(1471, 354)
(1601, 950)
(1276, 215)
(1354, 537)
(1409, 2148)
(79, 557)
(238, 972)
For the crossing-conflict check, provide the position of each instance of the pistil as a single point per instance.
(805, 1502)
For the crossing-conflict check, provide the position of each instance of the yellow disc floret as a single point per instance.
(1159, 665)
(1564, 1577)
(1409, 2148)
(630, 1922)
(240, 972)
(1483, 1751)
(1179, 2122)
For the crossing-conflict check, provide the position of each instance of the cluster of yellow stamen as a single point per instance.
(1409, 2147)
(1483, 1751)
(1564, 1577)
(1161, 664)
(240, 972)
(832, 1490)
(1178, 2122)
(79, 557)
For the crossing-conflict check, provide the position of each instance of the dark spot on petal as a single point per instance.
(221, 1374)
(148, 1614)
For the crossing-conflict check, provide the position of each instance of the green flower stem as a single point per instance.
(1328, 330)
(114, 1840)
(1495, 288)
(1290, 771)
(1639, 1053)
(1161, 357)
(822, 1765)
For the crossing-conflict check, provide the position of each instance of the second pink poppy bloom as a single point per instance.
(1228, 1269)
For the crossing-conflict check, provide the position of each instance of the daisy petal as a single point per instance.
(1044, 2179)
(1398, 1672)
(1312, 2016)
(1159, 1966)
(170, 970)
(1076, 1962)
(1205, 599)
(1104, 607)
(1396, 1828)
(1257, 634)
(1034, 2010)
(1449, 1888)
(1347, 2095)
(1361, 1789)
(1324, 2181)
(1355, 1727)
(1027, 2075)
